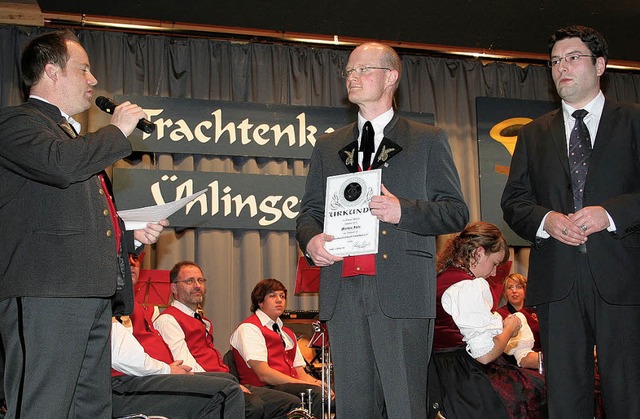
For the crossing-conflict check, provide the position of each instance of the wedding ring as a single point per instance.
(565, 232)
(584, 227)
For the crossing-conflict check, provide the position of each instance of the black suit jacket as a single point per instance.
(56, 230)
(539, 182)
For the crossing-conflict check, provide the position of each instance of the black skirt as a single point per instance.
(469, 389)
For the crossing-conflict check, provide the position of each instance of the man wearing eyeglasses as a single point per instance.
(574, 193)
(146, 378)
(189, 335)
(380, 308)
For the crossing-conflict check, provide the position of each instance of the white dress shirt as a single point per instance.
(129, 357)
(174, 336)
(378, 125)
(249, 341)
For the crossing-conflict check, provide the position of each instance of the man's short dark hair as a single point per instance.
(175, 271)
(592, 38)
(263, 288)
(48, 48)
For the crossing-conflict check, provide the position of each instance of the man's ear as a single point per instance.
(51, 71)
(601, 65)
(392, 77)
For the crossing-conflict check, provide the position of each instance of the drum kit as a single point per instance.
(318, 342)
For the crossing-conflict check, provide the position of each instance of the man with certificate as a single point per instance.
(376, 249)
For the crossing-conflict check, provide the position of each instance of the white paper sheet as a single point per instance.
(138, 218)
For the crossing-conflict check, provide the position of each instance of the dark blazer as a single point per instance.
(539, 182)
(417, 167)
(57, 234)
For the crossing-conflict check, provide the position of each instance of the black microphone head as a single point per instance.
(106, 104)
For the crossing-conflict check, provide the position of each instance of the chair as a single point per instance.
(231, 363)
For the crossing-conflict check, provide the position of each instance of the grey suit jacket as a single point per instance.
(539, 182)
(55, 226)
(417, 167)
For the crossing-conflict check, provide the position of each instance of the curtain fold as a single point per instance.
(181, 67)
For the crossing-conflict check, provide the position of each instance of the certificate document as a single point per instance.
(347, 216)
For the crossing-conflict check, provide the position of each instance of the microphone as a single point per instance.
(107, 105)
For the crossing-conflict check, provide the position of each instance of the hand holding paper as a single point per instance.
(138, 218)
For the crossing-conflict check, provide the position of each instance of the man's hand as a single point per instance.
(178, 368)
(386, 206)
(590, 219)
(126, 116)
(562, 228)
(244, 389)
(317, 252)
(151, 232)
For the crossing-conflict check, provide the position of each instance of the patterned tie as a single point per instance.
(367, 145)
(579, 154)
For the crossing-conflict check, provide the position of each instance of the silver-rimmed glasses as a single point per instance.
(360, 71)
(569, 58)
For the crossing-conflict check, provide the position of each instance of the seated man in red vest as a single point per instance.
(189, 336)
(146, 379)
(266, 352)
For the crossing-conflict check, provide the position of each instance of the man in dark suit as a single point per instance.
(584, 232)
(380, 308)
(61, 237)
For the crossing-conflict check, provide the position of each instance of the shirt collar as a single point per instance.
(76, 125)
(594, 108)
(186, 310)
(378, 124)
(266, 320)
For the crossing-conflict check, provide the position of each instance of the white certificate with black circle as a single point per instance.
(347, 216)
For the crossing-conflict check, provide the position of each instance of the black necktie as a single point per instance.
(367, 145)
(579, 154)
(206, 328)
(276, 329)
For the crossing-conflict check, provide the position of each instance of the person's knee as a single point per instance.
(253, 407)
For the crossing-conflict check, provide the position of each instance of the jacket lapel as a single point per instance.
(386, 151)
(559, 139)
(349, 156)
(604, 136)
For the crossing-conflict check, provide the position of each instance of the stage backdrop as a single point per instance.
(158, 65)
(222, 128)
(499, 121)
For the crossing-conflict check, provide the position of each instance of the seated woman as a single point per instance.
(475, 380)
(515, 291)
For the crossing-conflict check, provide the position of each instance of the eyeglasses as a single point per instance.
(360, 71)
(191, 281)
(514, 287)
(569, 58)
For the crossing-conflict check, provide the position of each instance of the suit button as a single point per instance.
(100, 191)
(105, 212)
(384, 232)
(109, 233)
(385, 256)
